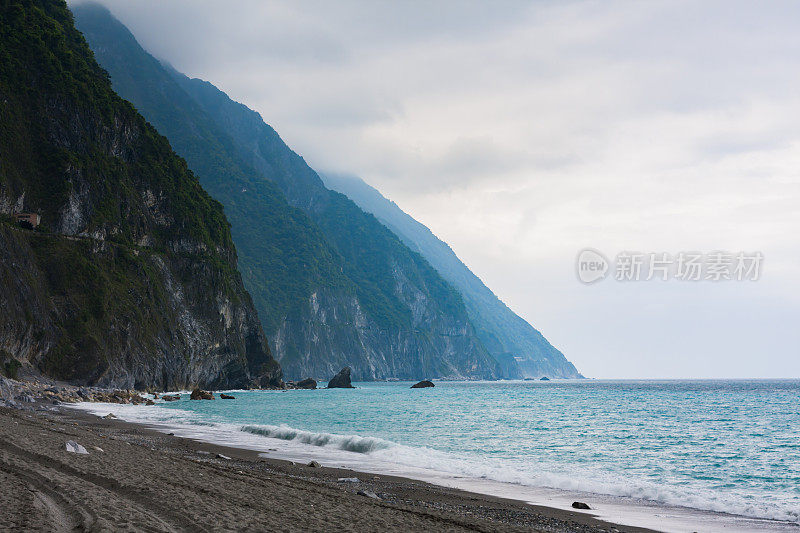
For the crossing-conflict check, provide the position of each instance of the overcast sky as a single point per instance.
(523, 132)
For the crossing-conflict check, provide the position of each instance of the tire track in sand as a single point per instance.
(78, 517)
(64, 515)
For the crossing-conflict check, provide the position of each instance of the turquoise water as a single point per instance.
(731, 446)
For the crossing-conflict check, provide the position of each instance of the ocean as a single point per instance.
(687, 451)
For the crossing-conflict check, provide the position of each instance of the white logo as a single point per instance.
(592, 266)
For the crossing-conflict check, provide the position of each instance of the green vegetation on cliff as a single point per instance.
(46, 70)
(132, 278)
(332, 285)
(282, 255)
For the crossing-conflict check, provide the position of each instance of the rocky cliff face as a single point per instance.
(332, 285)
(371, 351)
(521, 350)
(131, 279)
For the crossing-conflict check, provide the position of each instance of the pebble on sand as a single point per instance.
(73, 447)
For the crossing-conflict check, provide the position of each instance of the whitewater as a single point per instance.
(672, 455)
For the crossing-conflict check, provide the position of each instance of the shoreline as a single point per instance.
(622, 513)
(511, 505)
(132, 466)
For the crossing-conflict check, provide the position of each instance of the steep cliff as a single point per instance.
(519, 347)
(332, 285)
(131, 278)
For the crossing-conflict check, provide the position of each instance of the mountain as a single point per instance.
(131, 279)
(333, 286)
(510, 339)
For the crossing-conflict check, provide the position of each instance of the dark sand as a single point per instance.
(144, 480)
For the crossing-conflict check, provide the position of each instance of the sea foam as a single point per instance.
(350, 443)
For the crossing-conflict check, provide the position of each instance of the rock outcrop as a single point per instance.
(199, 394)
(307, 383)
(341, 380)
(424, 384)
(130, 281)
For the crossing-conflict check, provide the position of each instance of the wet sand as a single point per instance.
(144, 480)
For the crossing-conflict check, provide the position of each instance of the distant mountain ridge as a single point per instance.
(131, 279)
(520, 348)
(332, 285)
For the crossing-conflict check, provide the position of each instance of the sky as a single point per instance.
(524, 132)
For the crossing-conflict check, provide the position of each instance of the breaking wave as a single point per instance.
(349, 443)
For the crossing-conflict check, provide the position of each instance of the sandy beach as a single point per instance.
(143, 480)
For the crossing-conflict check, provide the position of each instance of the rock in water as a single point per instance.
(171, 397)
(307, 383)
(198, 394)
(314, 464)
(580, 505)
(224, 396)
(341, 380)
(110, 416)
(423, 384)
(74, 447)
(544, 378)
